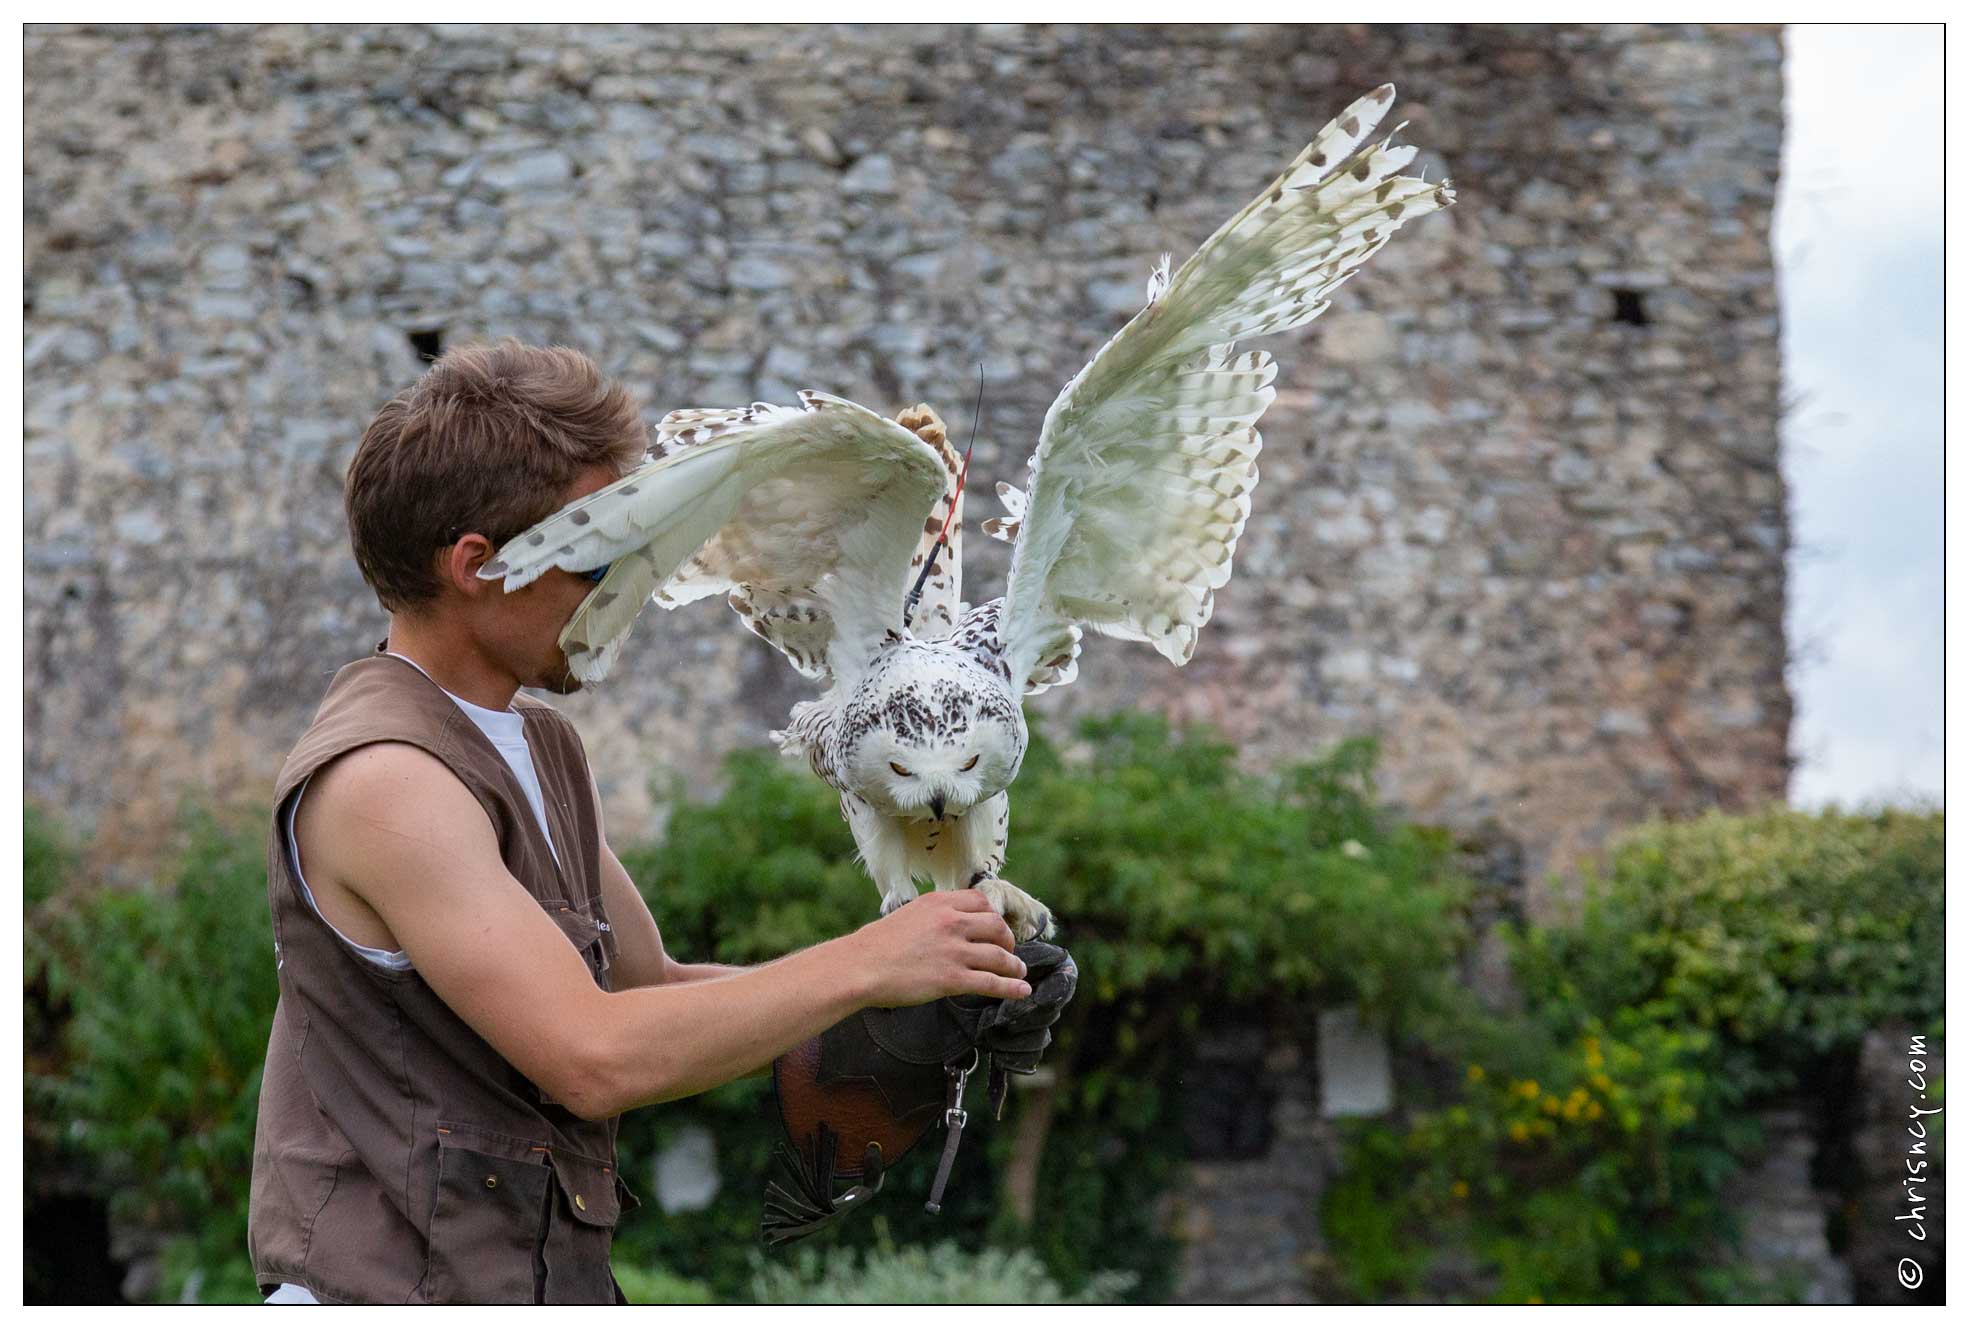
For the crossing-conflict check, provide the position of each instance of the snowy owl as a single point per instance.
(836, 533)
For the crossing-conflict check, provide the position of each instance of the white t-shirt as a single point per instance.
(506, 730)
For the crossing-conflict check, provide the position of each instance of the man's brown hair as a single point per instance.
(488, 440)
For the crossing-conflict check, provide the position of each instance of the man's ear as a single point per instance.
(459, 564)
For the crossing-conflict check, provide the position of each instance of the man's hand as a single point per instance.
(941, 944)
(916, 1057)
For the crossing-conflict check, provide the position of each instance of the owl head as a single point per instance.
(932, 736)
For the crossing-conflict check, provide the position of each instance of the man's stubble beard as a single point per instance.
(558, 679)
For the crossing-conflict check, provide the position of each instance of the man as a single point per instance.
(471, 988)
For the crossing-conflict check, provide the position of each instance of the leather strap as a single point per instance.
(955, 1119)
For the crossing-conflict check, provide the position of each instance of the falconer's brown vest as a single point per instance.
(398, 1157)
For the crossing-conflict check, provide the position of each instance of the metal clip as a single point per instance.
(955, 1118)
(954, 1113)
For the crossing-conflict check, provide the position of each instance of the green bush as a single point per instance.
(1181, 886)
(660, 1287)
(169, 998)
(50, 863)
(1160, 860)
(1787, 934)
(1587, 1148)
(1597, 1177)
(50, 858)
(917, 1275)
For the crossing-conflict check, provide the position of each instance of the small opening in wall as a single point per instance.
(69, 1261)
(1227, 1110)
(427, 342)
(1629, 307)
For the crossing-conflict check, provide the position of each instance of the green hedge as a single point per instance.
(1577, 1148)
(922, 1275)
(1786, 934)
(1586, 1150)
(165, 999)
(1182, 886)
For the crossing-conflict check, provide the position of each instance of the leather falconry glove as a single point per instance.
(1014, 1033)
(858, 1096)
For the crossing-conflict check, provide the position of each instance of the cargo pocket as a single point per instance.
(586, 1203)
(487, 1226)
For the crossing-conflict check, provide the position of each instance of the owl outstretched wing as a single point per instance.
(1141, 483)
(805, 517)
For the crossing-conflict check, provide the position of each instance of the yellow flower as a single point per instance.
(1602, 1083)
(1476, 1074)
(1550, 1107)
(1520, 1131)
(1594, 1112)
(1529, 1090)
(1534, 1300)
(1631, 1258)
(1459, 1188)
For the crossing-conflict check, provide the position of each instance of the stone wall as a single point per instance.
(1521, 510)
(1248, 1211)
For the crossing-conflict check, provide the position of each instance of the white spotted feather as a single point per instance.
(805, 517)
(1141, 484)
(938, 608)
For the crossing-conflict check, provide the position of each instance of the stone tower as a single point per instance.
(1521, 512)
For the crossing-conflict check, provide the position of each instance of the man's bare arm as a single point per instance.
(405, 836)
(629, 914)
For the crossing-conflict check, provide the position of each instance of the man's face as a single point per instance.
(528, 622)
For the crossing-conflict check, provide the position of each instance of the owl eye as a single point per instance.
(969, 764)
(899, 770)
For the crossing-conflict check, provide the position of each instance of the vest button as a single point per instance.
(492, 1183)
(580, 1203)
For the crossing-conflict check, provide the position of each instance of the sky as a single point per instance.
(1859, 250)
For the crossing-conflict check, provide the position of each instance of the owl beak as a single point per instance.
(936, 805)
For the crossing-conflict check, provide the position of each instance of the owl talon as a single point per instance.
(1024, 915)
